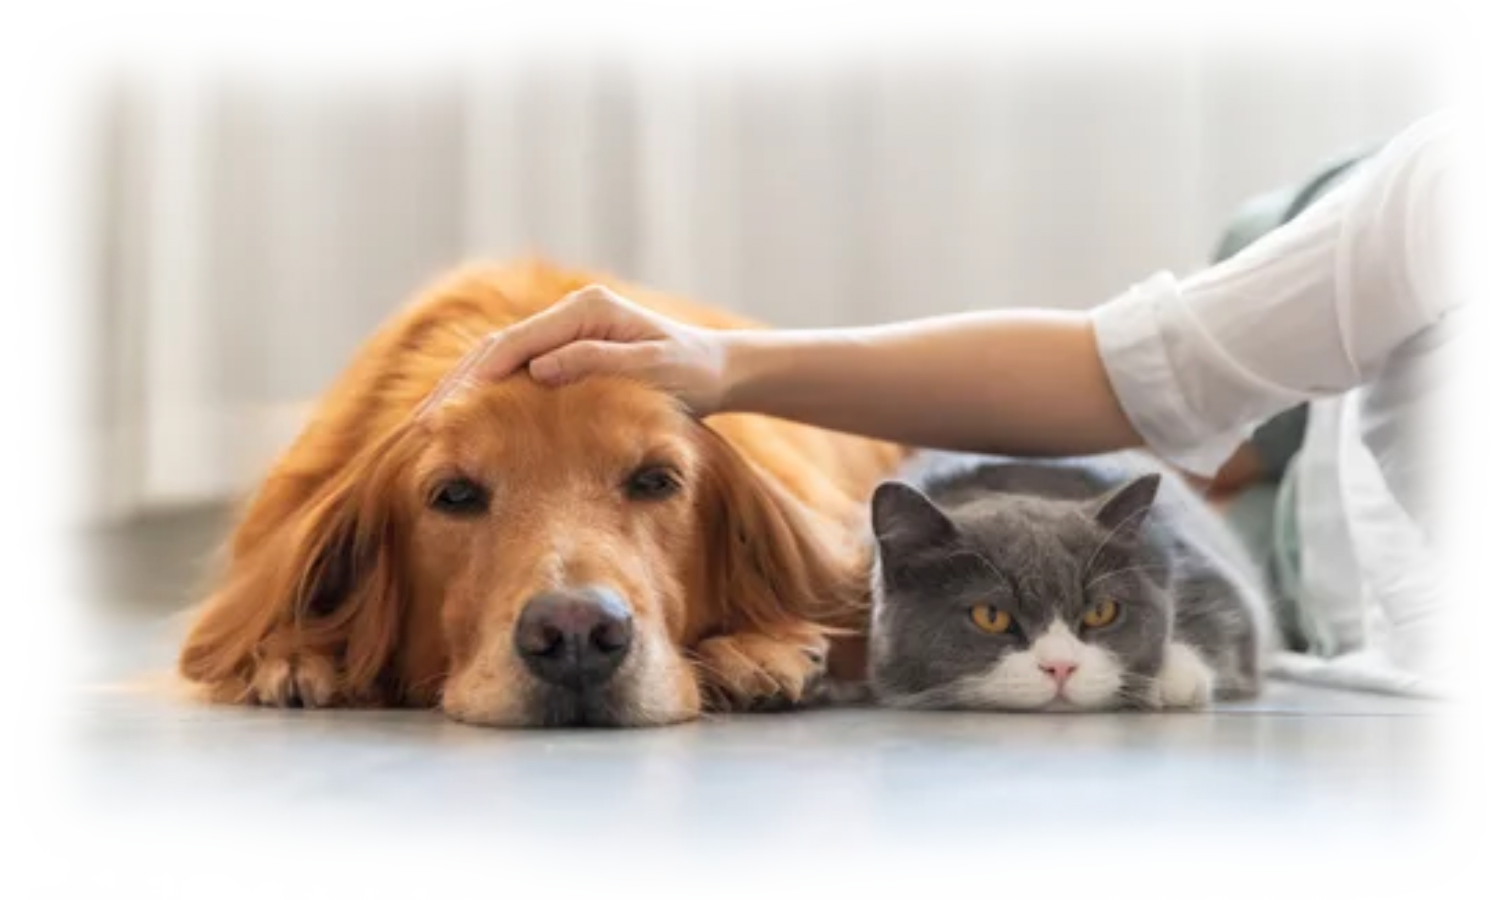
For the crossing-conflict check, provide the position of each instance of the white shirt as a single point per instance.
(1314, 308)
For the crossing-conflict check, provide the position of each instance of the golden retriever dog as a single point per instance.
(532, 556)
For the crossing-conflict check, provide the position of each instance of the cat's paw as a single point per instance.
(1185, 681)
(759, 673)
(305, 680)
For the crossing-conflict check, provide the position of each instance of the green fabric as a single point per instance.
(1265, 516)
(1262, 518)
(1278, 440)
(1285, 572)
(1255, 218)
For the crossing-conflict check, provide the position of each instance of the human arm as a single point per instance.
(1024, 382)
(1019, 381)
(1316, 307)
(1189, 365)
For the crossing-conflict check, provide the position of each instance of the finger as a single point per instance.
(584, 358)
(504, 351)
(562, 323)
(458, 377)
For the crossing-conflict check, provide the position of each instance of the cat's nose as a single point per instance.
(1058, 670)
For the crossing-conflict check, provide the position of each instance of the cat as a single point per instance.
(1071, 585)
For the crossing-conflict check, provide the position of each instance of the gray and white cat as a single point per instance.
(1079, 584)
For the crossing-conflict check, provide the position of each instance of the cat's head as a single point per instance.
(1012, 602)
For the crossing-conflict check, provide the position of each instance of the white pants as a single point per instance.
(1372, 585)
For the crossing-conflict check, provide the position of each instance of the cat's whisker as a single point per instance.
(939, 696)
(1124, 571)
(1110, 535)
(971, 554)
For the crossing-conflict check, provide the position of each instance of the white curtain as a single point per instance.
(254, 232)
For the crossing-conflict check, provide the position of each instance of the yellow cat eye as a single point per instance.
(990, 619)
(1103, 614)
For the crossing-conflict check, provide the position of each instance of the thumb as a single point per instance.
(584, 358)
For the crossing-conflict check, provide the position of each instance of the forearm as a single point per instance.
(1017, 381)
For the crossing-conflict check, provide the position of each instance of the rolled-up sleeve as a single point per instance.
(1312, 309)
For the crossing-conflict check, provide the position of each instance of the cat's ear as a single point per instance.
(1123, 511)
(905, 520)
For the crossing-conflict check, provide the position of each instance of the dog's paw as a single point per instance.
(758, 673)
(306, 680)
(1185, 681)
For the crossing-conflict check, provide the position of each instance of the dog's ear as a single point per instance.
(771, 562)
(323, 579)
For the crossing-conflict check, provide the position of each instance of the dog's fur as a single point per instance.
(343, 588)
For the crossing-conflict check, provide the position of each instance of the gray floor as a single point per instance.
(1300, 765)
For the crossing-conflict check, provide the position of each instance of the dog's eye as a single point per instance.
(652, 483)
(460, 497)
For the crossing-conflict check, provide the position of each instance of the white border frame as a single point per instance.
(24, 26)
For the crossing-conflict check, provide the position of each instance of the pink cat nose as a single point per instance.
(1060, 671)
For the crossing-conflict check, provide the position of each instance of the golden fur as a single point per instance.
(343, 588)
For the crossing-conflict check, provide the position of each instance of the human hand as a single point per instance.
(595, 331)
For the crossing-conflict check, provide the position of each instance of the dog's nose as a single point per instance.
(574, 639)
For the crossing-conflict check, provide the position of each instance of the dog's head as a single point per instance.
(525, 556)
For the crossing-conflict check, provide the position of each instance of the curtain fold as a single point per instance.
(257, 231)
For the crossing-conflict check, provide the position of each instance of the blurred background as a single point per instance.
(251, 231)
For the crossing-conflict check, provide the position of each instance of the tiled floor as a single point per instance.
(1303, 769)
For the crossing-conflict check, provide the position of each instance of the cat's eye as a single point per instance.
(652, 483)
(1103, 614)
(990, 619)
(460, 497)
